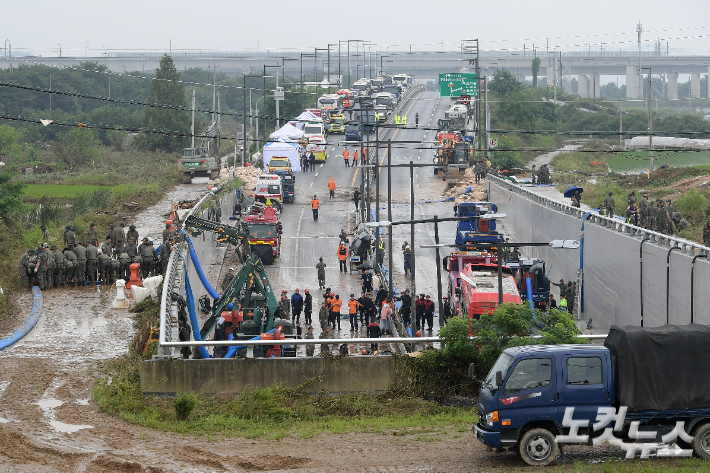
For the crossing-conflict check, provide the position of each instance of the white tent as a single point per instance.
(306, 117)
(288, 132)
(282, 149)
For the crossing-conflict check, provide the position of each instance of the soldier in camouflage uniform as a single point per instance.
(132, 234)
(42, 267)
(58, 278)
(70, 263)
(91, 261)
(80, 272)
(92, 235)
(643, 211)
(22, 267)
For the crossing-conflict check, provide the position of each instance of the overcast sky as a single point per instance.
(39, 26)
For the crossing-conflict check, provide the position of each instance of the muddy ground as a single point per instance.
(50, 423)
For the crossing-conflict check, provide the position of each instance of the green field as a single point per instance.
(638, 161)
(57, 190)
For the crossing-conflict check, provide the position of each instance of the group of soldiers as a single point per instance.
(541, 175)
(85, 262)
(658, 216)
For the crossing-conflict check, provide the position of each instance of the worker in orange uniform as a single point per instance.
(315, 203)
(331, 187)
(352, 311)
(355, 158)
(335, 304)
(343, 257)
(364, 156)
(346, 157)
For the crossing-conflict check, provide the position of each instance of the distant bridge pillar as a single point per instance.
(695, 85)
(632, 83)
(582, 86)
(595, 89)
(672, 85)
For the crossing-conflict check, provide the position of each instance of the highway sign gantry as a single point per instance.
(456, 84)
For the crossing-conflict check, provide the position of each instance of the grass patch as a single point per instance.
(58, 190)
(581, 162)
(275, 412)
(656, 465)
(638, 161)
(146, 310)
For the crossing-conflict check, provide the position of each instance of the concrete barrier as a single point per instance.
(234, 375)
(624, 280)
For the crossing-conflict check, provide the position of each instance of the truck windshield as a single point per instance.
(313, 130)
(262, 231)
(503, 365)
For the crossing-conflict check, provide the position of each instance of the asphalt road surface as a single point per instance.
(304, 240)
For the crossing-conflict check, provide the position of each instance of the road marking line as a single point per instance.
(322, 165)
(316, 173)
(311, 184)
(298, 229)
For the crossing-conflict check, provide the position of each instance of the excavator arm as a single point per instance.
(251, 278)
(236, 236)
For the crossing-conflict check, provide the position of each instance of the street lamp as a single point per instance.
(381, 68)
(302, 55)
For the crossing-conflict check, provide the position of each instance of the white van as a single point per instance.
(313, 129)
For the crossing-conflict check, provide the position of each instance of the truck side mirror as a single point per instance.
(471, 372)
(499, 378)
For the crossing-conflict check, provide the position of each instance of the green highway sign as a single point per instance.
(456, 84)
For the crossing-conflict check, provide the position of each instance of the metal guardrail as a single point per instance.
(173, 283)
(329, 341)
(613, 224)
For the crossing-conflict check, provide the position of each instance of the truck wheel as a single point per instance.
(701, 442)
(436, 171)
(538, 447)
(187, 178)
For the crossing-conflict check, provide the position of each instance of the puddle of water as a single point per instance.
(3, 420)
(83, 402)
(68, 428)
(49, 403)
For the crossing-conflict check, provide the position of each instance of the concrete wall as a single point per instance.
(346, 374)
(612, 252)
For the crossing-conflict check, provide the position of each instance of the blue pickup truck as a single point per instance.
(644, 390)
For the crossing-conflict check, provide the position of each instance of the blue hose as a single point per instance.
(34, 317)
(193, 317)
(409, 332)
(528, 283)
(233, 350)
(198, 268)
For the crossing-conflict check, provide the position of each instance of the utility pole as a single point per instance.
(639, 30)
(244, 121)
(488, 118)
(411, 217)
(390, 283)
(349, 83)
(650, 123)
(193, 119)
(621, 123)
(50, 94)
